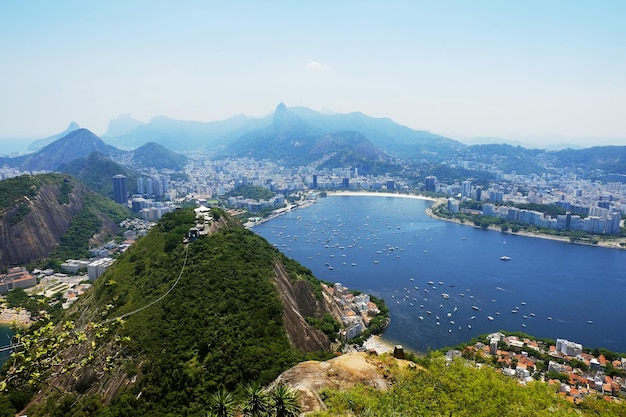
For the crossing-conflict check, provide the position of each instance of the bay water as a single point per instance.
(445, 283)
(5, 340)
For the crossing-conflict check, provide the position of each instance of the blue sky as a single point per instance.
(549, 71)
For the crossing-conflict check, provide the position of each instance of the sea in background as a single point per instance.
(445, 283)
(5, 340)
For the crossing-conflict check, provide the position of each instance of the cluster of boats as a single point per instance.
(447, 312)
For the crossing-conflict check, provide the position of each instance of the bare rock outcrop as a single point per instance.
(40, 230)
(341, 373)
(32, 226)
(299, 301)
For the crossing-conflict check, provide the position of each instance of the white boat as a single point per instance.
(444, 295)
(475, 308)
(505, 258)
(490, 318)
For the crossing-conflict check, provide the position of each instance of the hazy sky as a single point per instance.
(554, 70)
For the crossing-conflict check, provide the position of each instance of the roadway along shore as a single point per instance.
(613, 244)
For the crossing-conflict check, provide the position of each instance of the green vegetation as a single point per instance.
(457, 389)
(154, 155)
(19, 298)
(96, 171)
(19, 196)
(507, 157)
(505, 225)
(87, 223)
(448, 174)
(219, 328)
(547, 209)
(251, 191)
(64, 194)
(16, 194)
(326, 324)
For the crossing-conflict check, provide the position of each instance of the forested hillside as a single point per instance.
(457, 388)
(52, 216)
(165, 328)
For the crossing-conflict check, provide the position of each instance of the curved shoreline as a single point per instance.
(601, 244)
(438, 201)
(374, 194)
(382, 342)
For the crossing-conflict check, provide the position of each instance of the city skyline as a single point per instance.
(540, 74)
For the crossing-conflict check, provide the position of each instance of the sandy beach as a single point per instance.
(374, 194)
(378, 344)
(11, 316)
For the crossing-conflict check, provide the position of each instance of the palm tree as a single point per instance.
(223, 404)
(285, 402)
(257, 402)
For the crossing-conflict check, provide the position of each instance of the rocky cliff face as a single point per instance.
(29, 237)
(299, 301)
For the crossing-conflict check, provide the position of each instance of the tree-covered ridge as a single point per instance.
(14, 191)
(217, 323)
(610, 159)
(154, 155)
(251, 191)
(97, 171)
(98, 215)
(508, 158)
(458, 388)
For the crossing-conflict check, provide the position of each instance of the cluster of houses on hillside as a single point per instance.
(356, 310)
(581, 374)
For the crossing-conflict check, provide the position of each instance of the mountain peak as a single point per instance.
(121, 125)
(40, 143)
(281, 108)
(284, 119)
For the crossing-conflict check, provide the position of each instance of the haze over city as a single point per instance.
(534, 72)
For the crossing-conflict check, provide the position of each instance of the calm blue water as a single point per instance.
(5, 335)
(389, 247)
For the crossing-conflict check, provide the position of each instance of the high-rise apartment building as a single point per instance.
(120, 193)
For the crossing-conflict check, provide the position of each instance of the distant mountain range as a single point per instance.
(40, 143)
(295, 141)
(178, 135)
(301, 136)
(81, 143)
(294, 124)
